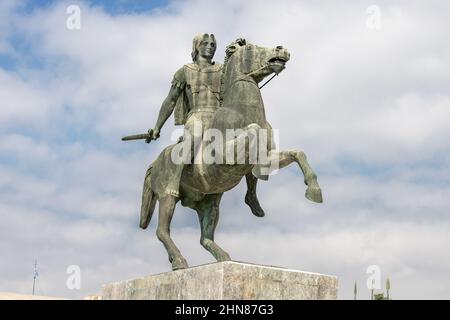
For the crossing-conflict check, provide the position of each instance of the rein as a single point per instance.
(268, 81)
(253, 72)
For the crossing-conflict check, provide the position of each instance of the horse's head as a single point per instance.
(248, 60)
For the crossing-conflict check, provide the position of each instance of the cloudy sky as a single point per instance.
(365, 95)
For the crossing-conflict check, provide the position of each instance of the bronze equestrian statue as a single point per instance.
(240, 109)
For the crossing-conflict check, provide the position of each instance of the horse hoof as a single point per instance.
(314, 194)
(225, 257)
(179, 263)
(254, 205)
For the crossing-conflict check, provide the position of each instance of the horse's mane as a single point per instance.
(231, 48)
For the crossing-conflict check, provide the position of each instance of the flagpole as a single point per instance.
(35, 274)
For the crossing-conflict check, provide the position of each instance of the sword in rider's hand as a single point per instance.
(147, 136)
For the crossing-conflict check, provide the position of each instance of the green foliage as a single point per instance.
(373, 295)
(379, 296)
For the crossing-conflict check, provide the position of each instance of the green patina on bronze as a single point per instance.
(221, 97)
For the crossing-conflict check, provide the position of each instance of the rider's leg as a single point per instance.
(182, 155)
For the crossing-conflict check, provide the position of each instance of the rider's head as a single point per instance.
(204, 45)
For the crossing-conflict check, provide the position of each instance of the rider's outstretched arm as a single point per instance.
(167, 108)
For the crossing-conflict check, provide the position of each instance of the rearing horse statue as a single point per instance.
(202, 185)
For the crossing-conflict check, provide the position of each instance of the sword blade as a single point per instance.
(136, 137)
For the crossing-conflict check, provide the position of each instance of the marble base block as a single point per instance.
(226, 281)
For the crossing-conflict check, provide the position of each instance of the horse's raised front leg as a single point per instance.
(208, 214)
(281, 159)
(166, 210)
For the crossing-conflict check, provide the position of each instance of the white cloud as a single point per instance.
(20, 101)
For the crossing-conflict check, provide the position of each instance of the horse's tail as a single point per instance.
(148, 200)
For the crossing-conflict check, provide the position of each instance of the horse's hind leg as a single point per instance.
(208, 214)
(166, 210)
(285, 158)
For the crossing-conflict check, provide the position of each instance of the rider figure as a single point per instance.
(193, 98)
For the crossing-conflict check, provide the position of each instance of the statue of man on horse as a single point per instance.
(220, 98)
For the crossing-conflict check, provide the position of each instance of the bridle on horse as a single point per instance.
(251, 73)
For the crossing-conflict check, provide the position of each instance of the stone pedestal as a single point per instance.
(226, 280)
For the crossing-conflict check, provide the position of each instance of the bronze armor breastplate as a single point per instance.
(203, 86)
